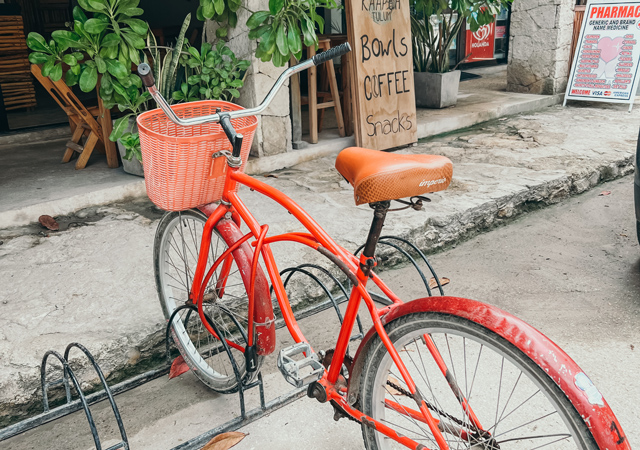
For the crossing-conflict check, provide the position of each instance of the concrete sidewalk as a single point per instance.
(94, 284)
(34, 182)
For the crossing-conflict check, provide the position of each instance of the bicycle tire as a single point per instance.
(201, 351)
(449, 331)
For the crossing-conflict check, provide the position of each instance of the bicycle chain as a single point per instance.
(429, 405)
(482, 437)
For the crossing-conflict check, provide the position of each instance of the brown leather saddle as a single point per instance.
(378, 176)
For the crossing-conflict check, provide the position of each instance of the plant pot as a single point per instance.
(436, 90)
(133, 166)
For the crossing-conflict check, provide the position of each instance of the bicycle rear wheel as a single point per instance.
(176, 250)
(514, 400)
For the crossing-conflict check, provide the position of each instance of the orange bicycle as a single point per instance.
(432, 373)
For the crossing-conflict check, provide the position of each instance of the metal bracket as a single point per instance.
(232, 161)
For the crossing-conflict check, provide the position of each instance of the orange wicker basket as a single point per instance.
(179, 170)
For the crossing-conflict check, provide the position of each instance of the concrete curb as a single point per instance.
(49, 133)
(30, 214)
(500, 109)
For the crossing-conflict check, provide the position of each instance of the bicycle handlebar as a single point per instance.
(144, 72)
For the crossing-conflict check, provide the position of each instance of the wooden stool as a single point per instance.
(82, 122)
(329, 99)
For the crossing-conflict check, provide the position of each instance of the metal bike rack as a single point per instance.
(69, 380)
(336, 292)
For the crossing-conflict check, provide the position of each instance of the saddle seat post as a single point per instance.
(379, 215)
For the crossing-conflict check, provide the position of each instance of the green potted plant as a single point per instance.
(99, 52)
(134, 99)
(213, 73)
(435, 24)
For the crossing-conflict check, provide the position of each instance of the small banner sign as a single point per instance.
(605, 65)
(384, 101)
(481, 43)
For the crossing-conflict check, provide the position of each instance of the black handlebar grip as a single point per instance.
(334, 52)
(144, 72)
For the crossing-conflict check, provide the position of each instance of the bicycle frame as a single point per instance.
(232, 206)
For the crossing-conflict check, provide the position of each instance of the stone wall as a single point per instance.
(539, 46)
(273, 134)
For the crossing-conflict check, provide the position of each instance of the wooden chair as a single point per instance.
(93, 123)
(329, 99)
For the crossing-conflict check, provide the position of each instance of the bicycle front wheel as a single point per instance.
(516, 404)
(176, 250)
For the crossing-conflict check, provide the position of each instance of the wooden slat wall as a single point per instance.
(15, 74)
(577, 26)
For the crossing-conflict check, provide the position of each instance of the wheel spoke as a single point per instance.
(178, 250)
(496, 388)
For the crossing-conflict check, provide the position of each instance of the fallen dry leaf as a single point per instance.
(178, 367)
(270, 175)
(49, 222)
(391, 389)
(224, 441)
(604, 193)
(443, 282)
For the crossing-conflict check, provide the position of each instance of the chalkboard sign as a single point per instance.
(382, 80)
(606, 60)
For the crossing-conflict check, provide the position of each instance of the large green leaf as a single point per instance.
(200, 14)
(98, 5)
(116, 68)
(110, 40)
(70, 78)
(137, 25)
(70, 60)
(131, 12)
(118, 88)
(219, 6)
(293, 38)
(275, 6)
(66, 39)
(133, 39)
(308, 32)
(100, 64)
(48, 67)
(127, 4)
(222, 32)
(78, 14)
(268, 40)
(233, 19)
(56, 72)
(38, 58)
(234, 5)
(105, 84)
(95, 26)
(84, 4)
(257, 18)
(208, 9)
(88, 79)
(119, 127)
(134, 55)
(281, 40)
(37, 43)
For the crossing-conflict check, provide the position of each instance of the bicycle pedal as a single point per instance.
(297, 369)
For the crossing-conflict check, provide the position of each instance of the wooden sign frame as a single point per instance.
(382, 84)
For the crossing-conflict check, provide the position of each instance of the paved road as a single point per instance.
(571, 270)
